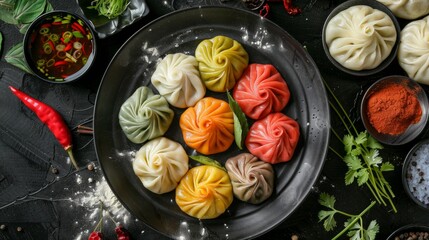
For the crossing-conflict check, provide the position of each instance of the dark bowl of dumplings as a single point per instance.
(392, 136)
(365, 52)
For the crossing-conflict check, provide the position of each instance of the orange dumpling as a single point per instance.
(205, 192)
(208, 127)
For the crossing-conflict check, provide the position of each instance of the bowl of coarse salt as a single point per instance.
(415, 174)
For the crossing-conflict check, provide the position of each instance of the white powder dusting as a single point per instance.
(102, 194)
(418, 174)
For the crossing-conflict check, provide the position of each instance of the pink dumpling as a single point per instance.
(274, 138)
(261, 90)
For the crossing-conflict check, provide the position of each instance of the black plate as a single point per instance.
(181, 31)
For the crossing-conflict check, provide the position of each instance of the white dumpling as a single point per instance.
(360, 37)
(407, 9)
(413, 52)
(177, 79)
(160, 164)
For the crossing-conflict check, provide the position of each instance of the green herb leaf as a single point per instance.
(362, 176)
(372, 230)
(349, 143)
(15, 56)
(374, 144)
(6, 11)
(327, 200)
(387, 166)
(361, 138)
(372, 158)
(241, 127)
(353, 162)
(329, 224)
(28, 10)
(207, 161)
(350, 176)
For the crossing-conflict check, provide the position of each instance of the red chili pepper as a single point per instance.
(76, 26)
(287, 4)
(60, 63)
(68, 47)
(51, 118)
(122, 233)
(51, 44)
(95, 236)
(264, 10)
(45, 25)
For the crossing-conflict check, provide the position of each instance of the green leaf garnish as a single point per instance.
(362, 156)
(27, 11)
(109, 8)
(15, 56)
(207, 161)
(241, 127)
(352, 226)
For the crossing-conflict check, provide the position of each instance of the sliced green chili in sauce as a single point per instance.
(60, 46)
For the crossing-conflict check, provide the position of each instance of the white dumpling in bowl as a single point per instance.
(177, 78)
(160, 164)
(413, 51)
(407, 9)
(360, 37)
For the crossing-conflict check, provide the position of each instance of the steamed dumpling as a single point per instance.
(177, 79)
(160, 164)
(145, 116)
(205, 192)
(274, 138)
(208, 127)
(261, 90)
(413, 52)
(252, 179)
(221, 60)
(360, 37)
(407, 9)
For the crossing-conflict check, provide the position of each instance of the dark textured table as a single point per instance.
(41, 197)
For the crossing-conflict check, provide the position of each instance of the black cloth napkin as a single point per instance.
(38, 158)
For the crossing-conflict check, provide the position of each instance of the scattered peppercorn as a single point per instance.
(54, 170)
(90, 167)
(413, 236)
(19, 229)
(2, 227)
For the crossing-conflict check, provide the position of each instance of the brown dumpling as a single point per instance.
(252, 179)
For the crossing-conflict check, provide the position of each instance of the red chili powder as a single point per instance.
(393, 108)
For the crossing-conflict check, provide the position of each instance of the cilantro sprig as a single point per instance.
(362, 158)
(354, 225)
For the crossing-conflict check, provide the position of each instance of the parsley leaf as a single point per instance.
(352, 225)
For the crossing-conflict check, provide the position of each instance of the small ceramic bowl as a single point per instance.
(375, 5)
(414, 130)
(415, 174)
(409, 230)
(59, 47)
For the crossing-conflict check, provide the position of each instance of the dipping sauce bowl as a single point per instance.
(59, 47)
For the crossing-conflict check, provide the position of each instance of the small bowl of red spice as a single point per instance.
(394, 110)
(59, 47)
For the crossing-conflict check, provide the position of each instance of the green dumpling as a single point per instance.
(145, 115)
(221, 61)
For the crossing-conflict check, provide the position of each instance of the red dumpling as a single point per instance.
(274, 138)
(261, 90)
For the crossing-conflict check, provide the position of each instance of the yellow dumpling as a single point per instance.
(205, 192)
(221, 61)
